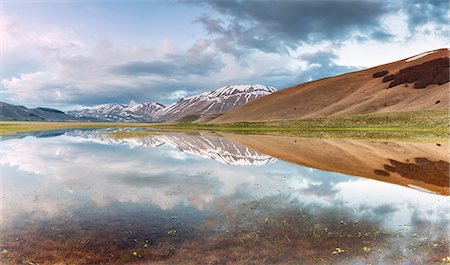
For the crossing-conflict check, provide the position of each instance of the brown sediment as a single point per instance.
(361, 158)
(428, 73)
(388, 78)
(435, 172)
(381, 172)
(236, 234)
(380, 74)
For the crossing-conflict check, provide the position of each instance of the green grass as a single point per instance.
(405, 125)
(421, 126)
(413, 121)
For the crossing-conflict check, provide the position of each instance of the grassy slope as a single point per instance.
(422, 124)
(413, 121)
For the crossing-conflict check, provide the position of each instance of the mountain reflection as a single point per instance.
(87, 198)
(203, 145)
(423, 166)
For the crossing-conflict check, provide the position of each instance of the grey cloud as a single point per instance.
(212, 25)
(177, 66)
(200, 59)
(379, 213)
(384, 209)
(321, 64)
(174, 75)
(381, 35)
(86, 80)
(324, 189)
(323, 71)
(320, 57)
(174, 179)
(93, 92)
(276, 26)
(421, 12)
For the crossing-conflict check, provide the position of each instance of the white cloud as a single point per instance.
(49, 65)
(71, 71)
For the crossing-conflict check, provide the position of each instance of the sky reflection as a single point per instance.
(84, 186)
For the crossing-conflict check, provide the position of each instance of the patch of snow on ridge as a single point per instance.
(120, 112)
(419, 56)
(217, 101)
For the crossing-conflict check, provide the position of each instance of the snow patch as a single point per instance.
(419, 56)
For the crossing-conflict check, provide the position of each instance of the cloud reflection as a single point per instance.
(61, 184)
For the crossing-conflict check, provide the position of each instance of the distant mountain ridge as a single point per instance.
(144, 112)
(10, 112)
(213, 102)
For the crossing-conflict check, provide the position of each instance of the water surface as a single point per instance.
(85, 197)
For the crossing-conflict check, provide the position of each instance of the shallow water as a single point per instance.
(84, 197)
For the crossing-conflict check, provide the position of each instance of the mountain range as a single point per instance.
(194, 107)
(208, 146)
(9, 112)
(419, 82)
(144, 112)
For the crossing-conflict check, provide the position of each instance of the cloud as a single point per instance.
(322, 64)
(29, 48)
(154, 176)
(278, 44)
(421, 13)
(99, 73)
(321, 58)
(200, 59)
(284, 25)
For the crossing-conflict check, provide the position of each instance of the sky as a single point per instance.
(72, 54)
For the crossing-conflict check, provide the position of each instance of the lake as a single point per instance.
(92, 197)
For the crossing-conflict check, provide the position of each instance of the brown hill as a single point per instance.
(416, 83)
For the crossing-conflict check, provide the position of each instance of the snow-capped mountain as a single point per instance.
(144, 112)
(218, 101)
(203, 145)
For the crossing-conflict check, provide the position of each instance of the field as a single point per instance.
(417, 124)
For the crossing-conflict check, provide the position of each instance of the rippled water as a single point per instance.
(85, 197)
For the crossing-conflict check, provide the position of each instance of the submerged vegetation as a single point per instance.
(263, 231)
